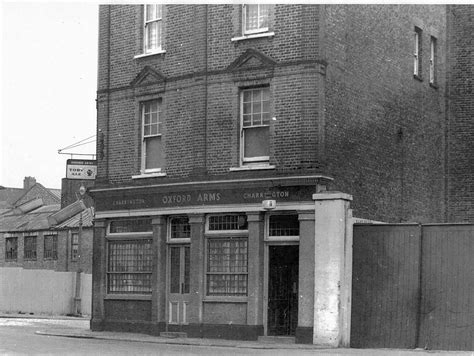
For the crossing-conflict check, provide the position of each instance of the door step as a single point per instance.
(173, 334)
(277, 339)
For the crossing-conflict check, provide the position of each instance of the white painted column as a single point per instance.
(332, 269)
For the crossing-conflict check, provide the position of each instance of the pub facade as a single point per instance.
(224, 133)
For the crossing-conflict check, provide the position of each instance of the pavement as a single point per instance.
(78, 327)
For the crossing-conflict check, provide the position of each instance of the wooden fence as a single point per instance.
(413, 286)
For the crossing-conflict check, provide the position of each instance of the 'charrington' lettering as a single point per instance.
(267, 195)
(128, 202)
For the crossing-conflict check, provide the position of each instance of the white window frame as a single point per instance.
(244, 19)
(159, 123)
(293, 238)
(258, 160)
(433, 48)
(157, 19)
(417, 53)
(176, 240)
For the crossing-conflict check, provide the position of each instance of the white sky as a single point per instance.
(48, 87)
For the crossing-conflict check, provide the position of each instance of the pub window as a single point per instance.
(51, 247)
(129, 266)
(130, 226)
(417, 53)
(255, 126)
(228, 222)
(30, 248)
(153, 28)
(283, 225)
(433, 64)
(152, 142)
(227, 255)
(255, 18)
(179, 228)
(11, 248)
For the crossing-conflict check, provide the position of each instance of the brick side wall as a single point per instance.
(461, 113)
(384, 128)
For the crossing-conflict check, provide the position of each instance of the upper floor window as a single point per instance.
(30, 248)
(153, 28)
(417, 53)
(11, 248)
(433, 60)
(152, 145)
(255, 125)
(255, 18)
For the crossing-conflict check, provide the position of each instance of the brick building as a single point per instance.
(460, 113)
(217, 124)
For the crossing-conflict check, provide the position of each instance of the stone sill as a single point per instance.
(149, 175)
(251, 168)
(251, 36)
(149, 54)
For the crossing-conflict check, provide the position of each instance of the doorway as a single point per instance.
(178, 284)
(282, 313)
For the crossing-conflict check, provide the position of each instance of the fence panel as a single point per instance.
(447, 309)
(385, 286)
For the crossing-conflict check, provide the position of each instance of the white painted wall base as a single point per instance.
(41, 291)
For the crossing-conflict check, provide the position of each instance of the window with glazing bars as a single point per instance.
(180, 228)
(284, 225)
(153, 28)
(228, 222)
(129, 266)
(131, 225)
(255, 18)
(255, 121)
(227, 267)
(11, 248)
(30, 248)
(51, 247)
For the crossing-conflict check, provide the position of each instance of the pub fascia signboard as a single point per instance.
(139, 200)
(81, 169)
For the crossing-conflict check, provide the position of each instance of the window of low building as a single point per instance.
(51, 247)
(74, 246)
(30, 248)
(152, 143)
(417, 53)
(285, 227)
(11, 248)
(227, 256)
(433, 60)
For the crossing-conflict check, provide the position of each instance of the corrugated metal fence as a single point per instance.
(413, 286)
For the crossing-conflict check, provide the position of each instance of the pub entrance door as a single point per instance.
(282, 316)
(178, 284)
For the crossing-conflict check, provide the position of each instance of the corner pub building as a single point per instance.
(221, 133)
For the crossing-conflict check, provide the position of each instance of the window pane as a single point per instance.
(251, 17)
(153, 152)
(131, 225)
(263, 16)
(180, 228)
(284, 225)
(256, 142)
(174, 269)
(187, 257)
(228, 222)
(129, 266)
(150, 12)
